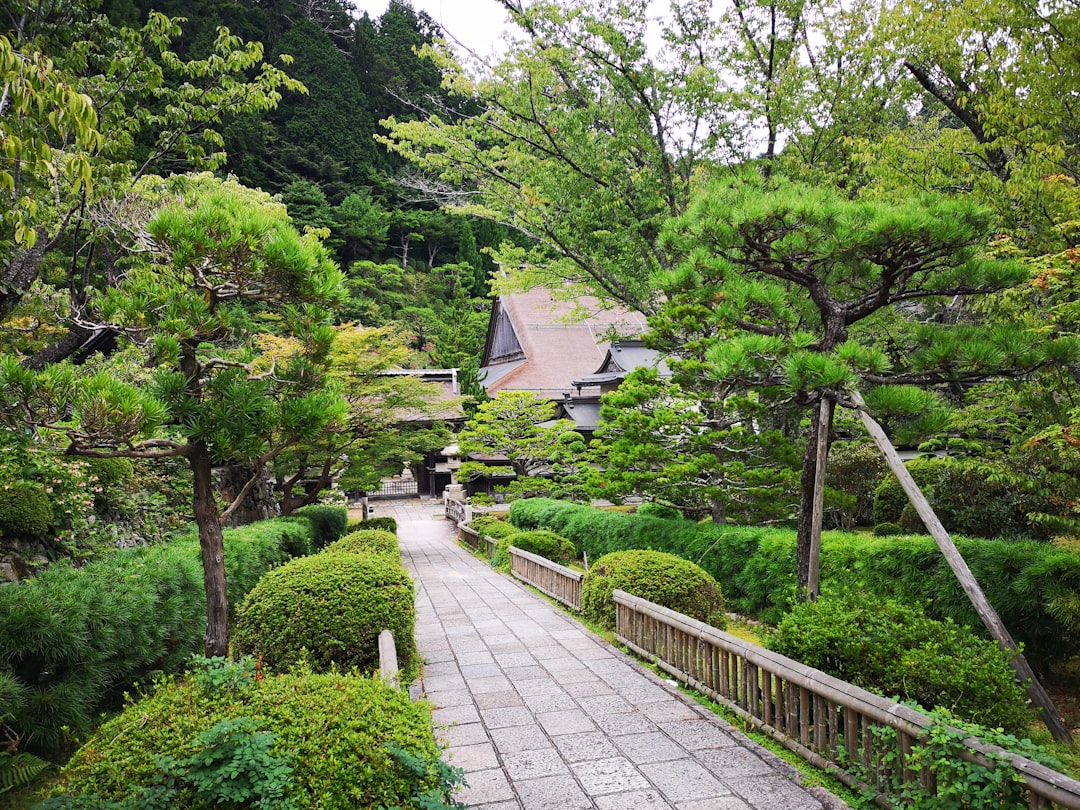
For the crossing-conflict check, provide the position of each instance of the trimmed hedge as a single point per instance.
(74, 639)
(895, 650)
(367, 541)
(662, 578)
(25, 510)
(332, 731)
(333, 605)
(1034, 586)
(547, 544)
(328, 523)
(387, 524)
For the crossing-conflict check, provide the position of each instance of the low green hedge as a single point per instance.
(72, 640)
(367, 541)
(1035, 587)
(329, 736)
(328, 523)
(546, 544)
(25, 510)
(896, 650)
(329, 609)
(654, 575)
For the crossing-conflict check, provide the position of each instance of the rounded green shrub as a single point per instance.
(25, 510)
(887, 529)
(387, 524)
(367, 541)
(492, 527)
(110, 471)
(547, 544)
(663, 578)
(333, 606)
(892, 649)
(327, 523)
(331, 730)
(658, 510)
(890, 498)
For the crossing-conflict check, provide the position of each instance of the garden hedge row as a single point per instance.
(72, 640)
(1035, 587)
(330, 741)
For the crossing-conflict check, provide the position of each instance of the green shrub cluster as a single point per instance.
(72, 640)
(367, 541)
(387, 524)
(328, 523)
(887, 529)
(327, 741)
(329, 608)
(25, 511)
(654, 575)
(855, 470)
(756, 569)
(547, 544)
(895, 650)
(492, 526)
(658, 510)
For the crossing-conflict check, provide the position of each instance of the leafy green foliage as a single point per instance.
(367, 541)
(855, 470)
(222, 673)
(547, 544)
(19, 768)
(332, 729)
(658, 510)
(333, 605)
(73, 639)
(387, 524)
(425, 772)
(654, 575)
(893, 649)
(328, 523)
(887, 529)
(754, 567)
(25, 510)
(232, 765)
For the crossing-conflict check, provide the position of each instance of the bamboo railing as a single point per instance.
(557, 581)
(829, 722)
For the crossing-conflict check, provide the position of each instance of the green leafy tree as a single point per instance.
(394, 419)
(787, 273)
(231, 309)
(512, 425)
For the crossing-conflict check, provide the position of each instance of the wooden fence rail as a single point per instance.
(827, 721)
(557, 581)
(472, 538)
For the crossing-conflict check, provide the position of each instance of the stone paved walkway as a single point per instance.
(540, 713)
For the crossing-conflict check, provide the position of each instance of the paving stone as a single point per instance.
(600, 776)
(509, 716)
(484, 787)
(529, 673)
(512, 805)
(563, 663)
(514, 659)
(650, 747)
(573, 721)
(472, 757)
(641, 695)
(696, 735)
(467, 734)
(538, 686)
(581, 747)
(549, 702)
(478, 686)
(604, 704)
(669, 711)
(683, 780)
(519, 738)
(455, 714)
(497, 700)
(470, 658)
(773, 793)
(451, 697)
(733, 762)
(534, 763)
(441, 668)
(634, 800)
(444, 683)
(585, 687)
(631, 723)
(721, 803)
(552, 793)
(470, 672)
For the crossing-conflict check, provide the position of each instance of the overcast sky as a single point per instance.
(477, 24)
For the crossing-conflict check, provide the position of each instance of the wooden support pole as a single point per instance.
(967, 580)
(824, 420)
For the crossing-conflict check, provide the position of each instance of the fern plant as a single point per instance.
(19, 768)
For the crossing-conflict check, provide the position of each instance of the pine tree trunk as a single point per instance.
(208, 519)
(807, 545)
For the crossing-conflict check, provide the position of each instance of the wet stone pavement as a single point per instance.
(541, 713)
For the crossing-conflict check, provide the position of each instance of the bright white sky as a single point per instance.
(477, 24)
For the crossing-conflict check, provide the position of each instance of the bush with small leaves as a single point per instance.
(658, 510)
(25, 510)
(547, 544)
(387, 524)
(333, 605)
(890, 648)
(327, 523)
(662, 578)
(300, 740)
(367, 541)
(887, 530)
